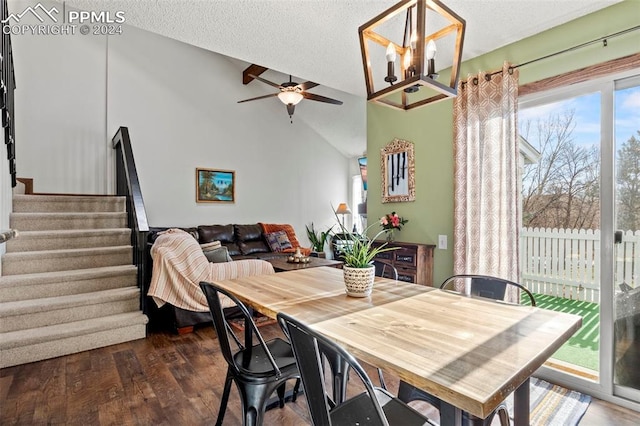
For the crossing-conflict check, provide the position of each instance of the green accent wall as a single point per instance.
(431, 127)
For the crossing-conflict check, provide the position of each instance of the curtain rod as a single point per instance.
(603, 39)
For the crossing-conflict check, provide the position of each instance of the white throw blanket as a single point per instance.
(179, 266)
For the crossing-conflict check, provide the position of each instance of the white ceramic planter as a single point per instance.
(359, 281)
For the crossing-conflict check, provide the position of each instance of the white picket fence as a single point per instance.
(566, 262)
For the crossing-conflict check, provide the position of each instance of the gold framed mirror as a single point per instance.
(398, 171)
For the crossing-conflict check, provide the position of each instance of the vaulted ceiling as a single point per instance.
(317, 40)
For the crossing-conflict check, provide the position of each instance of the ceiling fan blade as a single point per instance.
(270, 83)
(307, 85)
(259, 97)
(314, 97)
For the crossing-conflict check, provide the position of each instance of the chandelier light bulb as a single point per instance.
(407, 62)
(391, 60)
(391, 53)
(431, 49)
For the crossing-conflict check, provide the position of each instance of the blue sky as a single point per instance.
(587, 115)
(627, 114)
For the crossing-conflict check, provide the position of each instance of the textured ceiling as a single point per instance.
(317, 40)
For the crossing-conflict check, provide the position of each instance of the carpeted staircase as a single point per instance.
(68, 283)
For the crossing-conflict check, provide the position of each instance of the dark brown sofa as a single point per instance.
(242, 242)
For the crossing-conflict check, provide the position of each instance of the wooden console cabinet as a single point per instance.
(413, 261)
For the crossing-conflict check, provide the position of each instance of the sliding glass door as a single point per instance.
(560, 238)
(580, 241)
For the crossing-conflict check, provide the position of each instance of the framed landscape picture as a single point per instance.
(215, 186)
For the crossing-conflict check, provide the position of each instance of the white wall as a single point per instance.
(180, 104)
(60, 108)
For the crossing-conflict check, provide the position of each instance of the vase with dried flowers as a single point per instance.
(390, 223)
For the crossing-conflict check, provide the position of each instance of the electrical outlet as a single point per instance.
(442, 242)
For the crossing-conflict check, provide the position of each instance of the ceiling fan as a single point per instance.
(291, 93)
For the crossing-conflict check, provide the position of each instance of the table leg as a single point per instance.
(521, 404)
(450, 415)
(248, 334)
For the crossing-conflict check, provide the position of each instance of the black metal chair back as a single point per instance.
(385, 270)
(485, 286)
(374, 406)
(257, 370)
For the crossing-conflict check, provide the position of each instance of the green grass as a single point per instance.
(582, 348)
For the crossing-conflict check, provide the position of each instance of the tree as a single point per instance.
(628, 182)
(562, 189)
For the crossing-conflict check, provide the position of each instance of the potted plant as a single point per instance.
(358, 252)
(318, 239)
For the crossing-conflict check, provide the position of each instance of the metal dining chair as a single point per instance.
(485, 286)
(374, 406)
(385, 270)
(257, 370)
(482, 286)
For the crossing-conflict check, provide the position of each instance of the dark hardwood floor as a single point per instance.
(164, 379)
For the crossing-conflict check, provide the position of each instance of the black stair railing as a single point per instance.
(7, 87)
(127, 185)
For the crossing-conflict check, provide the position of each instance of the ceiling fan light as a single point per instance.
(290, 98)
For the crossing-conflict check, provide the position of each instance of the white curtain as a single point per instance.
(487, 187)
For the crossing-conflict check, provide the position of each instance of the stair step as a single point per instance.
(43, 312)
(23, 346)
(63, 260)
(68, 283)
(70, 239)
(61, 221)
(64, 283)
(77, 238)
(67, 203)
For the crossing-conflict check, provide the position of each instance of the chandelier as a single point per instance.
(416, 84)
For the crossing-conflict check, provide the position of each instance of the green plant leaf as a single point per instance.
(317, 239)
(359, 252)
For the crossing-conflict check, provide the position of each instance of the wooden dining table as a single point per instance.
(470, 353)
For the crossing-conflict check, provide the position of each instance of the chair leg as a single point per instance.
(224, 399)
(254, 398)
(383, 384)
(281, 390)
(503, 415)
(296, 389)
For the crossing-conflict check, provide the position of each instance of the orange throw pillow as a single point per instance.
(268, 228)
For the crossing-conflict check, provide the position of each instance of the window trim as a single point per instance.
(586, 74)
